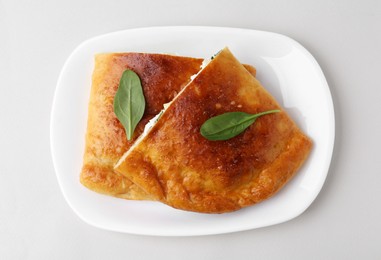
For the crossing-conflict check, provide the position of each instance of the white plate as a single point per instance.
(284, 67)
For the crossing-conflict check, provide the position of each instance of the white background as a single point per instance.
(36, 37)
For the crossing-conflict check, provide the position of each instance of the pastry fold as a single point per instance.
(176, 165)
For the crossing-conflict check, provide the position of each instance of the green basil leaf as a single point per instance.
(229, 125)
(129, 102)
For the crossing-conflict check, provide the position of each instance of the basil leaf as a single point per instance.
(129, 102)
(229, 125)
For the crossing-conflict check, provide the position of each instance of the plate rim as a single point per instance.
(330, 120)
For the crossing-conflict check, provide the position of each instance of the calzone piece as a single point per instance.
(163, 77)
(176, 165)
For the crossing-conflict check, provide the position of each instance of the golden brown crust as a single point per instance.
(162, 76)
(178, 166)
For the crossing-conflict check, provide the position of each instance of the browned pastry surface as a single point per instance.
(176, 165)
(162, 77)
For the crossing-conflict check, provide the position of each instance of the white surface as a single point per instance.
(290, 68)
(36, 37)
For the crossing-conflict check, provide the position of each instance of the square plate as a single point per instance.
(284, 67)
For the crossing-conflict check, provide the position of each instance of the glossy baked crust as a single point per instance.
(163, 77)
(179, 167)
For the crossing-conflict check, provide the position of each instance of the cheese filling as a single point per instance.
(154, 120)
